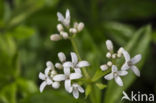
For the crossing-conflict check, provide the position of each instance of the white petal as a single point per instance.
(118, 81)
(136, 59)
(59, 77)
(109, 76)
(82, 64)
(114, 68)
(75, 76)
(80, 89)
(109, 45)
(136, 71)
(61, 56)
(42, 76)
(56, 85)
(49, 81)
(68, 85)
(42, 86)
(122, 73)
(126, 55)
(60, 17)
(125, 66)
(66, 70)
(74, 58)
(76, 93)
(77, 70)
(67, 21)
(104, 67)
(68, 64)
(68, 14)
(47, 71)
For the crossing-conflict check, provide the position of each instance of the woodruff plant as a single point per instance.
(73, 71)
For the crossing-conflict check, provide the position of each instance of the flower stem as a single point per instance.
(77, 52)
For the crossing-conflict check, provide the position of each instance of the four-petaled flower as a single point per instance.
(64, 20)
(48, 77)
(75, 64)
(116, 75)
(67, 77)
(75, 89)
(130, 63)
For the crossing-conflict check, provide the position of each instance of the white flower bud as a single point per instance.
(119, 55)
(55, 37)
(80, 26)
(109, 45)
(73, 30)
(76, 25)
(49, 63)
(58, 65)
(64, 35)
(104, 67)
(121, 49)
(59, 27)
(114, 56)
(56, 85)
(109, 63)
(108, 55)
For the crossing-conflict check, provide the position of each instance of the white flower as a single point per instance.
(64, 20)
(76, 88)
(130, 63)
(79, 26)
(108, 55)
(109, 45)
(62, 59)
(75, 64)
(48, 77)
(116, 75)
(73, 30)
(67, 77)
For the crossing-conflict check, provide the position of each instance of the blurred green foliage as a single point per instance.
(25, 27)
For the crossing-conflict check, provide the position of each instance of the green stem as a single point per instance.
(77, 52)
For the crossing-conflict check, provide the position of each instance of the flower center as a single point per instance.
(67, 77)
(129, 63)
(115, 74)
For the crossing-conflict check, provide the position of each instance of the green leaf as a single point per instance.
(52, 96)
(22, 32)
(8, 93)
(88, 90)
(26, 87)
(99, 73)
(101, 86)
(138, 44)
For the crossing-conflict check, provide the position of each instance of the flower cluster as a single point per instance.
(71, 73)
(64, 28)
(129, 63)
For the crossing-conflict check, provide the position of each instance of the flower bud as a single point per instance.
(108, 55)
(58, 66)
(56, 85)
(121, 49)
(55, 37)
(64, 35)
(109, 45)
(73, 30)
(114, 56)
(80, 26)
(104, 67)
(49, 63)
(109, 63)
(59, 27)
